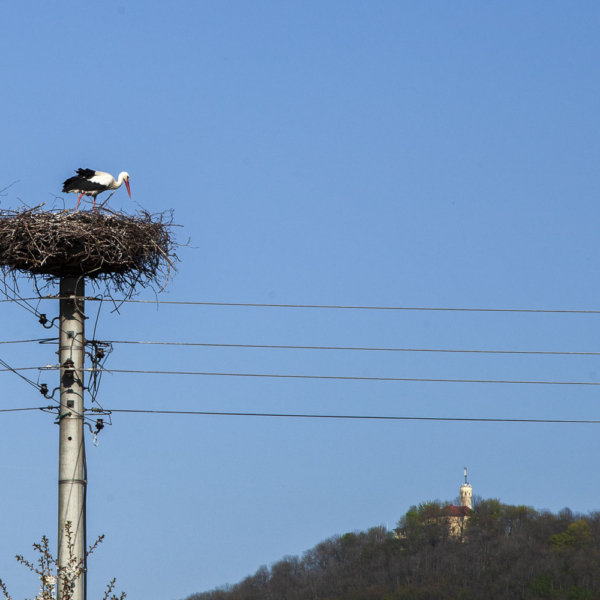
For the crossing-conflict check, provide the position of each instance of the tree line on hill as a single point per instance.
(507, 553)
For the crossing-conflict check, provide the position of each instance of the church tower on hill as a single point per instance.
(454, 518)
(466, 493)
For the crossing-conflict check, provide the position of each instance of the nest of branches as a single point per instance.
(122, 250)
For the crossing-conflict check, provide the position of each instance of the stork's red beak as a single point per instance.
(128, 190)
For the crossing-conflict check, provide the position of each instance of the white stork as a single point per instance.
(91, 183)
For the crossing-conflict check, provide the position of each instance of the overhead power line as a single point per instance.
(358, 348)
(14, 296)
(46, 368)
(316, 416)
(297, 347)
(322, 306)
(355, 417)
(346, 377)
(327, 377)
(352, 348)
(5, 410)
(355, 307)
(9, 368)
(27, 341)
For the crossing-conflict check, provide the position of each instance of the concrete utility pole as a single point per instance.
(71, 467)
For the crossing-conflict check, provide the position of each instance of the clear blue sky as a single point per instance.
(358, 153)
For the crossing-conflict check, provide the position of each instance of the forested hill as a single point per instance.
(509, 553)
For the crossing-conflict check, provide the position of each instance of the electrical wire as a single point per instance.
(356, 307)
(5, 410)
(9, 368)
(357, 348)
(329, 377)
(317, 416)
(100, 351)
(96, 375)
(22, 302)
(351, 378)
(40, 340)
(356, 417)
(8, 299)
(46, 368)
(324, 306)
(354, 348)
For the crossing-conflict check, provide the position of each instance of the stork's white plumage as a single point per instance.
(91, 183)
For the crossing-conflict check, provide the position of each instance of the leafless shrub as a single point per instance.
(50, 573)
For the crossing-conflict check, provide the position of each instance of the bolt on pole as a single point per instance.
(72, 469)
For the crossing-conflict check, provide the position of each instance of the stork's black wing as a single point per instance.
(81, 182)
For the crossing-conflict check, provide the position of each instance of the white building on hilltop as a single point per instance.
(453, 517)
(466, 493)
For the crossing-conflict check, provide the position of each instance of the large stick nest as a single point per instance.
(119, 249)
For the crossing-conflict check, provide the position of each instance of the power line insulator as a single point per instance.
(69, 367)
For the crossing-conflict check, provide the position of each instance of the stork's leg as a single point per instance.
(95, 204)
(78, 201)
